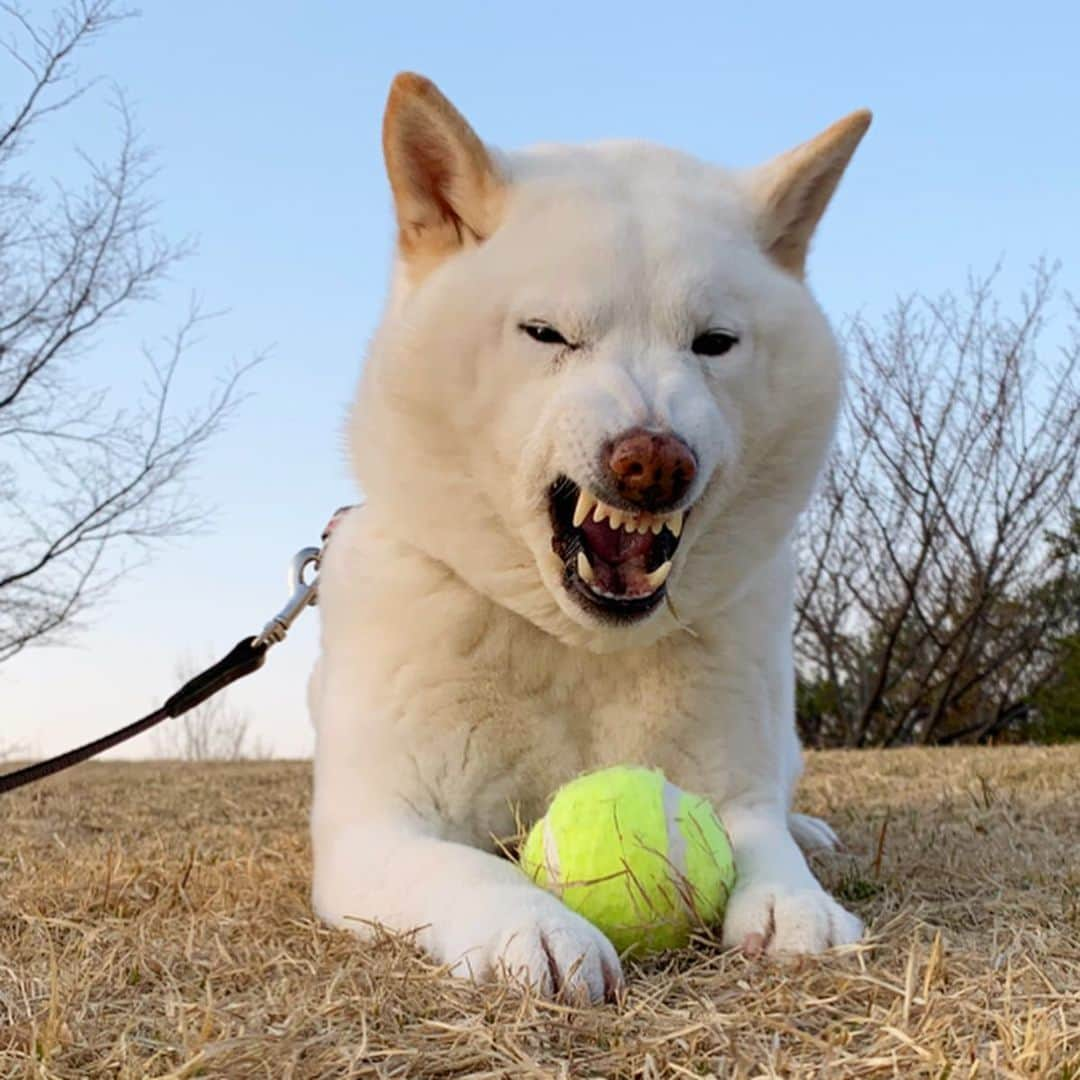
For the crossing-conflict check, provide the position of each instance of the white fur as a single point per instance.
(459, 681)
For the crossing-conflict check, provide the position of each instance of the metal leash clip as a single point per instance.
(304, 594)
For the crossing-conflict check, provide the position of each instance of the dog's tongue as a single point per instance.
(618, 558)
(616, 545)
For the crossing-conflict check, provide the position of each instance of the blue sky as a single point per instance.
(266, 121)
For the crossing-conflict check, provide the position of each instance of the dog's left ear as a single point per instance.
(791, 192)
(447, 190)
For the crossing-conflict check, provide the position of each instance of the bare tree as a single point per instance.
(85, 484)
(11, 751)
(932, 590)
(213, 731)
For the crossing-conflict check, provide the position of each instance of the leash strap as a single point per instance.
(244, 658)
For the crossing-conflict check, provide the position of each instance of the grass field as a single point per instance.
(154, 922)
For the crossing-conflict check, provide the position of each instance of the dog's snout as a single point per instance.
(651, 469)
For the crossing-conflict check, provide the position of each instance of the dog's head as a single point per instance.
(600, 382)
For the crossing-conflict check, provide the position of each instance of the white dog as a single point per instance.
(599, 398)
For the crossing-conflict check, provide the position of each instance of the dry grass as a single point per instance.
(154, 922)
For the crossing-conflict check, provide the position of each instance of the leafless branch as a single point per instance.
(930, 594)
(86, 484)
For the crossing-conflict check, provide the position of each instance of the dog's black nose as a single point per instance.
(650, 469)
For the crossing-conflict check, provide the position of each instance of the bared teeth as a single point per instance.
(588, 505)
(585, 502)
(658, 576)
(584, 569)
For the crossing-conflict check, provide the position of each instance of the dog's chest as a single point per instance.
(534, 715)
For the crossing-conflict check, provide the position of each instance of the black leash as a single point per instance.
(247, 656)
(244, 658)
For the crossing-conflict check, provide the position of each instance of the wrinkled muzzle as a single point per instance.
(617, 539)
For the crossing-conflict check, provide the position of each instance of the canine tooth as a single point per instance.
(674, 523)
(584, 569)
(658, 576)
(585, 502)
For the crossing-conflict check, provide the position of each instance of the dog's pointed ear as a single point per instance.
(447, 190)
(791, 192)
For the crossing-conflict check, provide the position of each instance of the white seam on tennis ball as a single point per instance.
(676, 840)
(551, 852)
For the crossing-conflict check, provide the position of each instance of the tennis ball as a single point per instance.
(642, 860)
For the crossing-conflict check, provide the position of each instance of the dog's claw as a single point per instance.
(753, 944)
(775, 918)
(548, 947)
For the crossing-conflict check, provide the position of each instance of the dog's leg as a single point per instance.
(384, 728)
(470, 909)
(777, 905)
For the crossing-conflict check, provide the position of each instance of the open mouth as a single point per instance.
(615, 562)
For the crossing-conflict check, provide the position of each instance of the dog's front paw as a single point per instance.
(764, 916)
(533, 938)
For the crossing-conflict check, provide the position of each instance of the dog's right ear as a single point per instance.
(447, 191)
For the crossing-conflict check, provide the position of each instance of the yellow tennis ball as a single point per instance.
(641, 859)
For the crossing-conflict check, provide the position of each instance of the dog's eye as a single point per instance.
(714, 342)
(545, 334)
